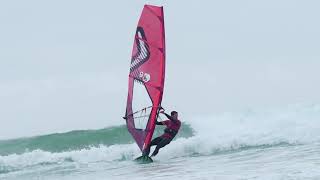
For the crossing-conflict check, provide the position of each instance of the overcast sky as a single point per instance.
(64, 64)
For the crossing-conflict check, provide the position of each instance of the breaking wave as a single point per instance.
(201, 136)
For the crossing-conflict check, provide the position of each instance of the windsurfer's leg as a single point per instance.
(154, 142)
(161, 144)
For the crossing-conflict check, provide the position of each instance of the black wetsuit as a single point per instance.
(170, 132)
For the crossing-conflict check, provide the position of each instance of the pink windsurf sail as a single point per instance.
(146, 77)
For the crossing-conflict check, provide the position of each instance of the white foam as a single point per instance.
(93, 154)
(295, 124)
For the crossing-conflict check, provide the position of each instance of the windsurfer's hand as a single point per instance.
(161, 111)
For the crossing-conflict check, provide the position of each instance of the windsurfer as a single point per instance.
(173, 125)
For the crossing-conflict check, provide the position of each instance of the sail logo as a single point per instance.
(145, 77)
(141, 49)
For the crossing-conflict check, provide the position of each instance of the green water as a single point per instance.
(76, 140)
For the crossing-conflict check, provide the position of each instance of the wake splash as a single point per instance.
(224, 133)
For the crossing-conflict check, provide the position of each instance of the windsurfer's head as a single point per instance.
(174, 114)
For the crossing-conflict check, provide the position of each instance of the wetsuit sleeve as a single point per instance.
(159, 123)
(162, 122)
(167, 122)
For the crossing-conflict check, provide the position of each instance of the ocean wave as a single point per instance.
(224, 133)
(76, 140)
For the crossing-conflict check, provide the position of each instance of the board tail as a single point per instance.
(143, 159)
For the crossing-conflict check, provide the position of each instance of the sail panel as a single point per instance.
(146, 77)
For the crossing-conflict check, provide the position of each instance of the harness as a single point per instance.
(170, 131)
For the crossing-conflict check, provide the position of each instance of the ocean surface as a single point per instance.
(279, 143)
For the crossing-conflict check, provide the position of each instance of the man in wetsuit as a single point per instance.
(173, 126)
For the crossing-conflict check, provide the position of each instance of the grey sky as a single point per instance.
(64, 64)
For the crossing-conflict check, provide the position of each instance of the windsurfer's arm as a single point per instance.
(168, 116)
(159, 123)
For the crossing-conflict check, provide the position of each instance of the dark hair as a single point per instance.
(173, 113)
